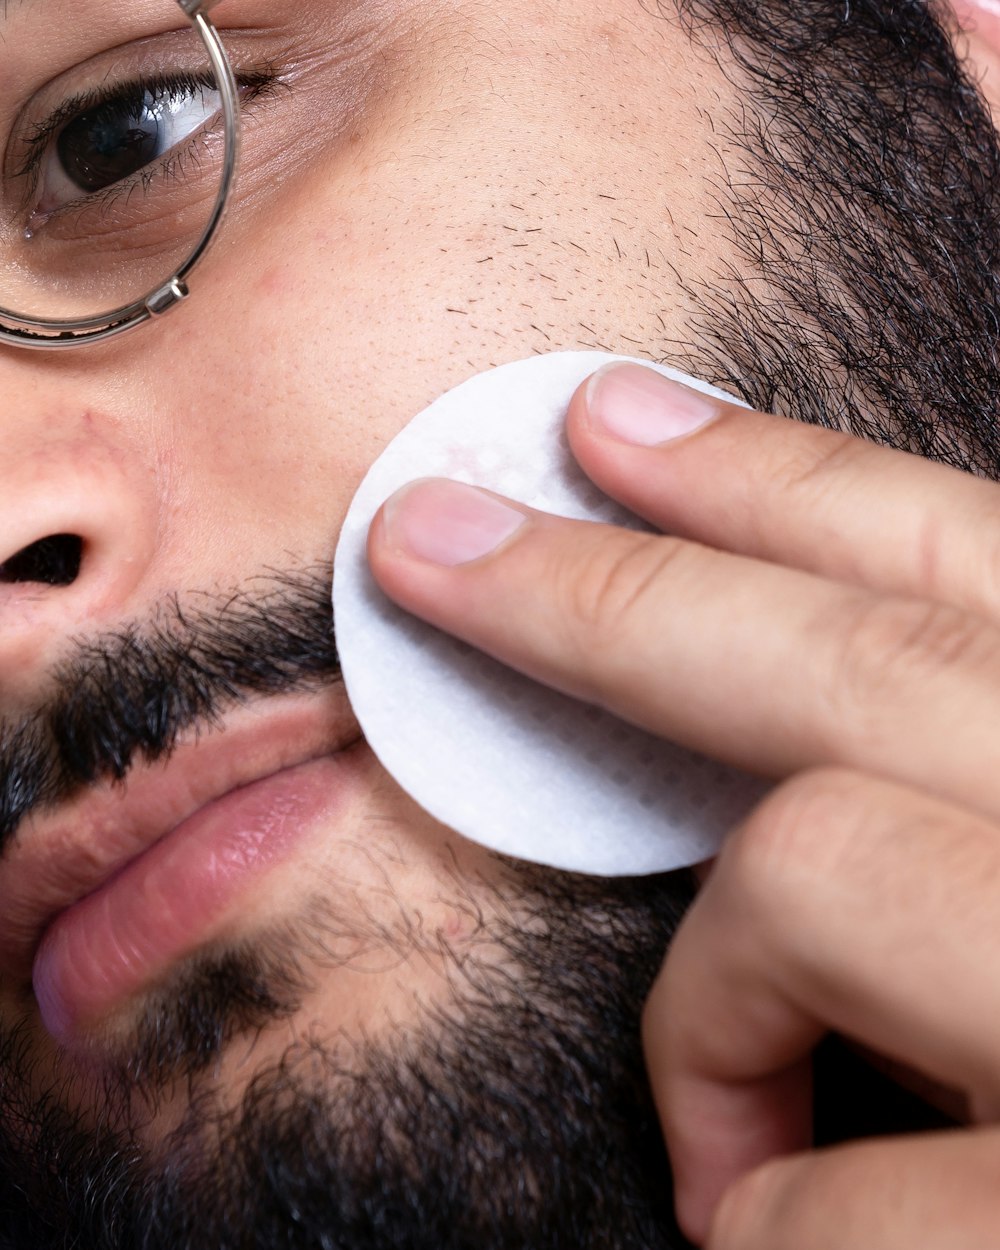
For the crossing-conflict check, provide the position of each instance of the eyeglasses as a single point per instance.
(114, 182)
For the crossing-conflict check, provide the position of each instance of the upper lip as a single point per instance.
(60, 857)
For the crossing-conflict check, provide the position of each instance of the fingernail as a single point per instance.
(640, 406)
(449, 523)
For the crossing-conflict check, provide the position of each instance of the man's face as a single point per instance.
(313, 968)
(427, 190)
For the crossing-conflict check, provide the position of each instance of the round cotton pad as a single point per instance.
(497, 757)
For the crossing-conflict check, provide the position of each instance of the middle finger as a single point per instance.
(789, 492)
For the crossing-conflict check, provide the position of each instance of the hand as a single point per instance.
(825, 612)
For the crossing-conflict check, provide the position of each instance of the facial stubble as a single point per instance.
(861, 190)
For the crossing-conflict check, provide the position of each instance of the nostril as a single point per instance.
(53, 561)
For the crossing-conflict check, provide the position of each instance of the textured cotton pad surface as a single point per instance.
(497, 757)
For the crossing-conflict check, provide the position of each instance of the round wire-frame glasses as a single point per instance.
(49, 334)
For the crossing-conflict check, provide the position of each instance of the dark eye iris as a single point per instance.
(99, 148)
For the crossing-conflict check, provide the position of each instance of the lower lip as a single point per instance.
(157, 909)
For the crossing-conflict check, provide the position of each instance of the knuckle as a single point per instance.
(800, 829)
(824, 466)
(755, 1208)
(884, 647)
(985, 579)
(612, 590)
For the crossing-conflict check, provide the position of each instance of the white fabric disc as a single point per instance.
(497, 757)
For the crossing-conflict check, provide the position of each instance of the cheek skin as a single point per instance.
(482, 215)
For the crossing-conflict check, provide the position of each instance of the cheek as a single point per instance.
(347, 343)
(462, 230)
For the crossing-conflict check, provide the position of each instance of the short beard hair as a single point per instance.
(861, 192)
(861, 189)
(515, 1115)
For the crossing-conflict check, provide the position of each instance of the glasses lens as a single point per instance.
(112, 175)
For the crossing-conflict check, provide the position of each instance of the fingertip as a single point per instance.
(578, 421)
(388, 572)
(443, 523)
(636, 405)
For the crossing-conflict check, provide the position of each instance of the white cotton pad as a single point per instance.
(498, 757)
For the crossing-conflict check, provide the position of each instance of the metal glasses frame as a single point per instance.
(47, 334)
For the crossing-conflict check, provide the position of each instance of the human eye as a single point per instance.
(120, 142)
(98, 142)
(112, 173)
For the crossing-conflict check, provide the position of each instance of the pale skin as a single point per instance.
(833, 626)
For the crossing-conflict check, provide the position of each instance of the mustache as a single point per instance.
(126, 696)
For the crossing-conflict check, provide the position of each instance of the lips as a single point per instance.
(100, 895)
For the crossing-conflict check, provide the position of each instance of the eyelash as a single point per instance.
(253, 85)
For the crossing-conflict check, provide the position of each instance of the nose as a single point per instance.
(51, 561)
(77, 534)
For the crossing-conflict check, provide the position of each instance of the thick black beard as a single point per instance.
(861, 193)
(126, 696)
(516, 1116)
